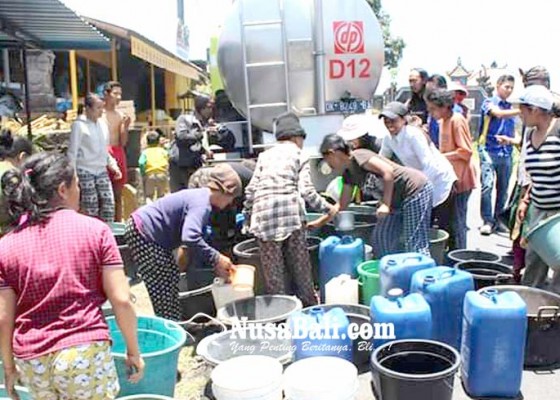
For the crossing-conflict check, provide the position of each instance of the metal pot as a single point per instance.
(344, 221)
(543, 334)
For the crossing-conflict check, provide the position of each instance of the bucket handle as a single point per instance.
(208, 317)
(502, 277)
(542, 310)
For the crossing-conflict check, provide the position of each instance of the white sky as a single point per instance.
(436, 32)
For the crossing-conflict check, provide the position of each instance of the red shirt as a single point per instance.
(55, 270)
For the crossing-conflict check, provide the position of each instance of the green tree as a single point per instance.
(394, 45)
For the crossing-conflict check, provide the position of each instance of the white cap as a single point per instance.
(537, 96)
(456, 87)
(354, 127)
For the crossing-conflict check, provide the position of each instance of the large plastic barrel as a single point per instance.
(414, 369)
(160, 342)
(23, 392)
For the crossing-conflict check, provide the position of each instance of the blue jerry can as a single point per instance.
(444, 289)
(339, 256)
(397, 270)
(319, 333)
(493, 346)
(410, 315)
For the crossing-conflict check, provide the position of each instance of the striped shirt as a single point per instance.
(543, 166)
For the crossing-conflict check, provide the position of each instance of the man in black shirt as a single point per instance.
(416, 104)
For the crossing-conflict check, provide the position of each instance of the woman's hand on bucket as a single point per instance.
(224, 267)
(135, 366)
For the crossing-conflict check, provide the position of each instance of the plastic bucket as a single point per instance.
(160, 342)
(438, 245)
(457, 256)
(23, 392)
(194, 301)
(321, 378)
(487, 273)
(545, 240)
(414, 369)
(244, 277)
(370, 284)
(248, 378)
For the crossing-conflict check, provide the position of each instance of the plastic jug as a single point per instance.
(493, 345)
(321, 333)
(444, 289)
(410, 317)
(224, 293)
(397, 270)
(341, 290)
(339, 256)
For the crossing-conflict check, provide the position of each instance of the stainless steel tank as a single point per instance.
(299, 55)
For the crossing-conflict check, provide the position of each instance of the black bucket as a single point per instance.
(247, 252)
(457, 256)
(487, 273)
(414, 369)
(194, 301)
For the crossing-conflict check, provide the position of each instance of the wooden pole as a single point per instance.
(88, 76)
(73, 79)
(26, 88)
(114, 72)
(153, 92)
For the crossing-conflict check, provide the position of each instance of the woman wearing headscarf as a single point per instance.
(156, 230)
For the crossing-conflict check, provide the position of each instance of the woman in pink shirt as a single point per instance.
(57, 268)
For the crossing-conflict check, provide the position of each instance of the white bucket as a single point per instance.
(224, 293)
(321, 378)
(248, 378)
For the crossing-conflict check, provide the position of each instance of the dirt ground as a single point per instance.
(195, 372)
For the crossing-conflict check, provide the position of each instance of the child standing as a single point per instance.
(154, 162)
(275, 210)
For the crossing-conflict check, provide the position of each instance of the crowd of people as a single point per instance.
(422, 172)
